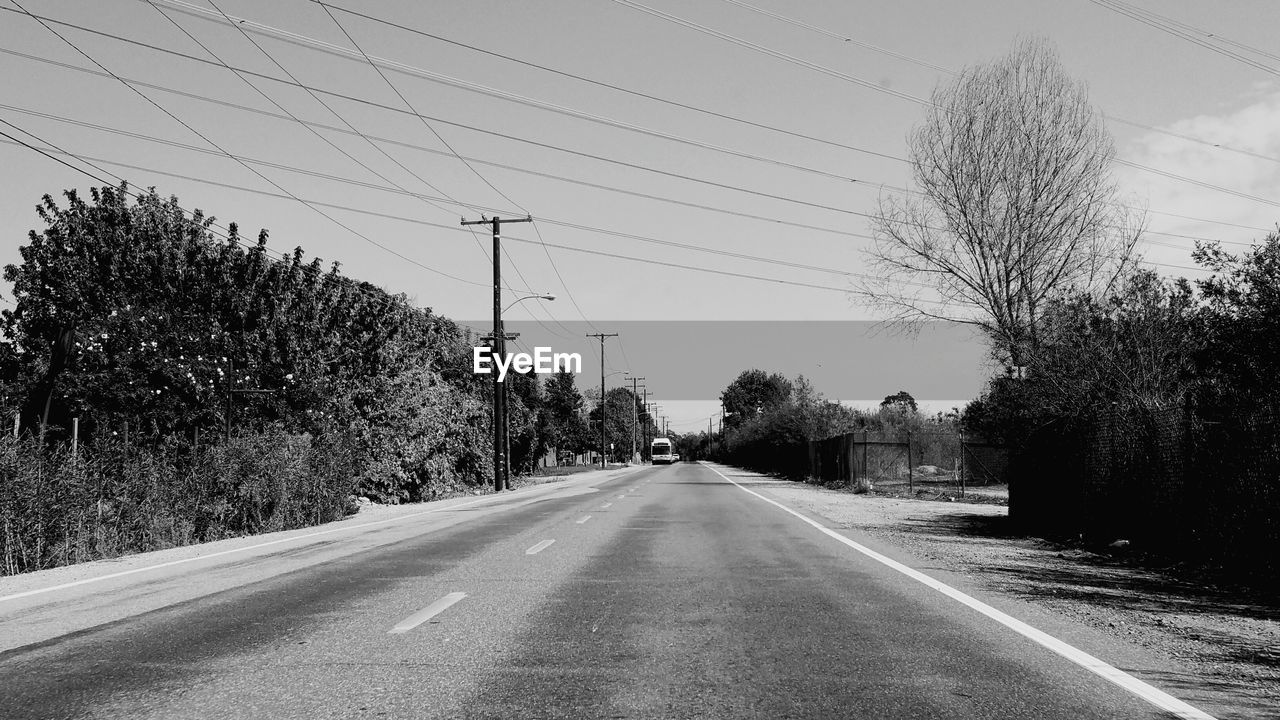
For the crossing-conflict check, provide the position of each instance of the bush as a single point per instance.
(113, 499)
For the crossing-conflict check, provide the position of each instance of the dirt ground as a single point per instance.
(1228, 635)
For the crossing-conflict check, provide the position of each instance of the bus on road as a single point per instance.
(662, 450)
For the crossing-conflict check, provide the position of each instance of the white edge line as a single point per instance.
(608, 504)
(426, 613)
(220, 553)
(539, 547)
(1153, 695)
(584, 519)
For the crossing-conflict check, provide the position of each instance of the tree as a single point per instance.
(133, 311)
(620, 404)
(565, 428)
(902, 402)
(1014, 204)
(753, 392)
(1241, 321)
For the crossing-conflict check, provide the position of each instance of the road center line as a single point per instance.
(1156, 697)
(426, 613)
(584, 519)
(539, 547)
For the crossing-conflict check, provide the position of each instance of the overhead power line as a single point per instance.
(396, 90)
(59, 155)
(452, 82)
(785, 57)
(866, 83)
(221, 150)
(585, 228)
(575, 226)
(401, 190)
(948, 71)
(585, 116)
(611, 86)
(438, 136)
(349, 128)
(400, 143)
(1203, 38)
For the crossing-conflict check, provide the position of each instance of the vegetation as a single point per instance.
(789, 415)
(213, 390)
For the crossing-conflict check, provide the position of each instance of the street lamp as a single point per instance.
(529, 297)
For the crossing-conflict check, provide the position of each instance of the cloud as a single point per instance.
(1254, 129)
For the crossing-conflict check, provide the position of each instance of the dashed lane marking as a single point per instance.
(426, 613)
(539, 547)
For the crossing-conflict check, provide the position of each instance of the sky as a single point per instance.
(703, 187)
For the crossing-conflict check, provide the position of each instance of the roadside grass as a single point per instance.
(562, 470)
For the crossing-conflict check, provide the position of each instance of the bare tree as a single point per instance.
(1014, 204)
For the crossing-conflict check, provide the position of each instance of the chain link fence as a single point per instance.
(938, 464)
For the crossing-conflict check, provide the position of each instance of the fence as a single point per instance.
(932, 462)
(1203, 482)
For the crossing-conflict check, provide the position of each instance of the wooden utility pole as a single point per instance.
(644, 435)
(603, 449)
(500, 463)
(635, 415)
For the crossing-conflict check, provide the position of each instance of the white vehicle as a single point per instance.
(662, 450)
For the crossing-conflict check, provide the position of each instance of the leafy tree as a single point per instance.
(1241, 321)
(1131, 351)
(565, 429)
(751, 393)
(1015, 204)
(620, 403)
(133, 311)
(901, 402)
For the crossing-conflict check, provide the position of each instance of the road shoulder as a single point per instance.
(1208, 643)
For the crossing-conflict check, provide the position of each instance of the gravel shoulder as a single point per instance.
(1228, 636)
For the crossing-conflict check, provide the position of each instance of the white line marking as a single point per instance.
(539, 547)
(584, 519)
(426, 613)
(171, 563)
(1156, 697)
(621, 496)
(607, 505)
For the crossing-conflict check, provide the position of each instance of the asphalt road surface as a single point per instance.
(666, 592)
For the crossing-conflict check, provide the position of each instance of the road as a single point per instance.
(667, 592)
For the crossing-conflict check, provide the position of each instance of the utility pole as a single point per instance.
(506, 434)
(500, 349)
(644, 435)
(603, 450)
(635, 415)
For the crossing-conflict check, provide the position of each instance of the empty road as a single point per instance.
(668, 592)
